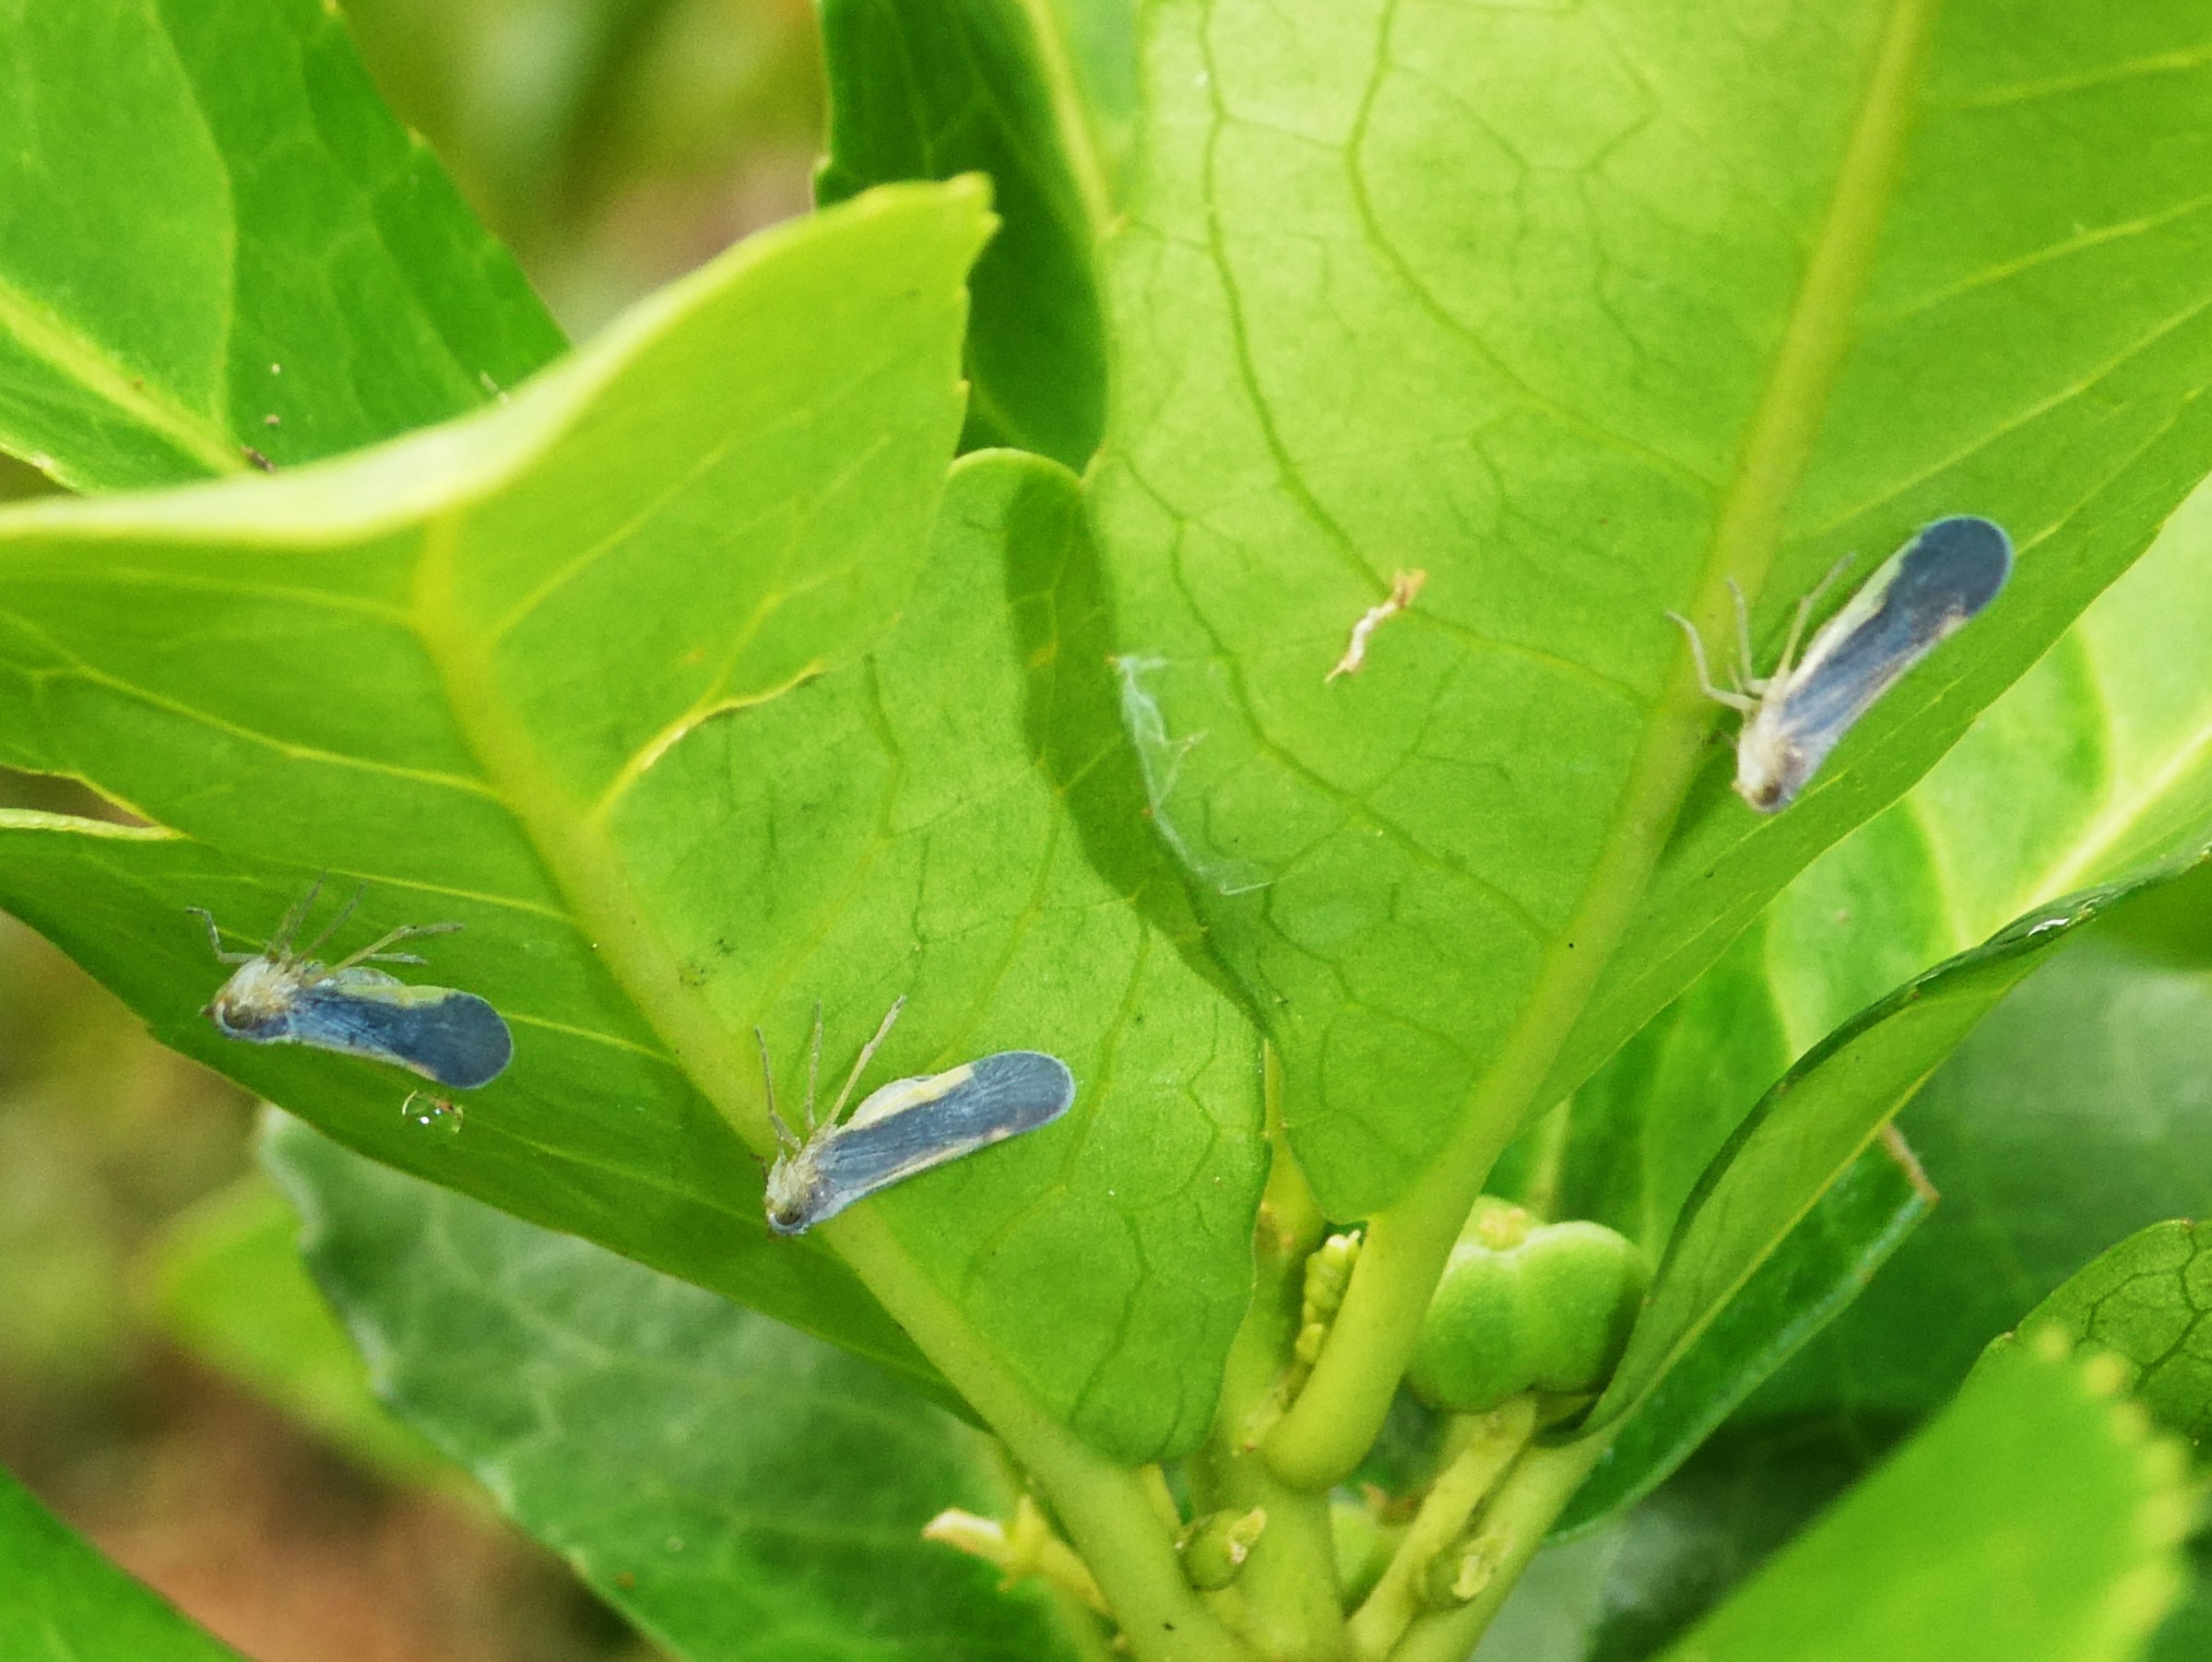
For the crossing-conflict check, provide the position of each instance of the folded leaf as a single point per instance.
(1813, 1124)
(2079, 1111)
(288, 676)
(617, 675)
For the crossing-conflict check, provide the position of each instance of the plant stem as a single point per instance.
(1287, 1605)
(1020, 1547)
(1338, 1414)
(1533, 1494)
(1489, 1443)
(1108, 1511)
(1343, 1407)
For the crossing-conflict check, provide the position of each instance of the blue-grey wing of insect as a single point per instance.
(1949, 572)
(905, 1127)
(454, 1038)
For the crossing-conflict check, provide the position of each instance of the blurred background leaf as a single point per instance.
(613, 143)
(217, 247)
(227, 1285)
(66, 1603)
(931, 91)
(739, 1491)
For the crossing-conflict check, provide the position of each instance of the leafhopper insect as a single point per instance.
(279, 995)
(901, 1128)
(1923, 595)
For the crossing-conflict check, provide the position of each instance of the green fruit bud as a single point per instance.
(1328, 1272)
(1215, 1546)
(1525, 1306)
(1461, 1571)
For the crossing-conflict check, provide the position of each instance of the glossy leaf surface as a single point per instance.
(1730, 309)
(739, 1492)
(215, 239)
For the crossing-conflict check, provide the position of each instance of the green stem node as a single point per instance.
(1486, 1445)
(1513, 1527)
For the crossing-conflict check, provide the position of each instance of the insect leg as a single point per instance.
(868, 1051)
(784, 1140)
(280, 943)
(337, 922)
(1804, 616)
(375, 951)
(215, 939)
(815, 1068)
(1734, 700)
(1747, 678)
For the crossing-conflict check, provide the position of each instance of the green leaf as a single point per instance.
(215, 240)
(604, 676)
(1100, 39)
(1622, 1591)
(2094, 762)
(736, 1489)
(66, 1603)
(1815, 1123)
(939, 88)
(2187, 1633)
(287, 676)
(2077, 1113)
(2034, 1519)
(2098, 763)
(1816, 1270)
(228, 1286)
(2145, 1301)
(1722, 312)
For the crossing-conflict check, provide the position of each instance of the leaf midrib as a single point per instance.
(581, 866)
(83, 362)
(1777, 449)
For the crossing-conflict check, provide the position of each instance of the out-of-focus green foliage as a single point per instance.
(2056, 1523)
(737, 1490)
(64, 1602)
(227, 1283)
(310, 284)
